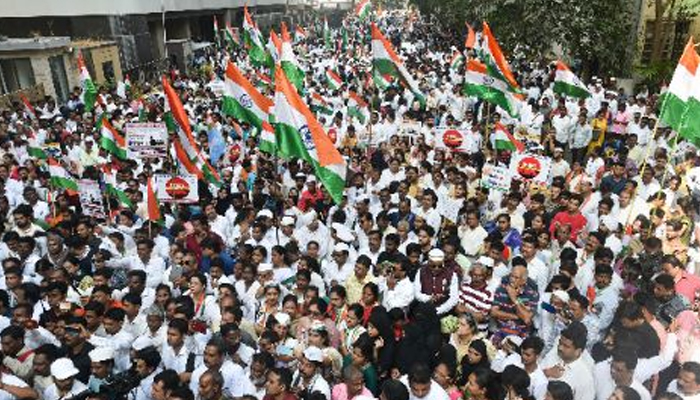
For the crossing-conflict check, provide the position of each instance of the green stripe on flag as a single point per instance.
(570, 90)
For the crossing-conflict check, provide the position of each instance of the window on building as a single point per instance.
(16, 74)
(108, 71)
(59, 78)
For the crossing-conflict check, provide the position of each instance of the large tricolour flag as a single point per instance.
(111, 140)
(491, 53)
(385, 61)
(675, 100)
(363, 9)
(242, 100)
(186, 148)
(88, 95)
(245, 103)
(480, 82)
(300, 135)
(289, 61)
(566, 82)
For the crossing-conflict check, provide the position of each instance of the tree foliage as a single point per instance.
(597, 33)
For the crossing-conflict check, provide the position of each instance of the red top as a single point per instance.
(576, 221)
(308, 200)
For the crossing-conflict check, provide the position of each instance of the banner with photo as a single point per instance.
(146, 140)
(90, 195)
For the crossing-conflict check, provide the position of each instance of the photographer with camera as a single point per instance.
(65, 383)
(397, 290)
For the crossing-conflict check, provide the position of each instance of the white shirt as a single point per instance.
(577, 374)
(605, 385)
(472, 239)
(121, 343)
(51, 392)
(318, 384)
(236, 382)
(673, 388)
(155, 268)
(176, 361)
(400, 296)
(9, 379)
(436, 391)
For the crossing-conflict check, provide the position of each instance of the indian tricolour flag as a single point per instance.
(232, 36)
(492, 54)
(88, 95)
(504, 140)
(481, 82)
(675, 100)
(327, 35)
(60, 178)
(566, 82)
(268, 141)
(457, 60)
(274, 47)
(334, 80)
(28, 109)
(690, 123)
(357, 107)
(300, 135)
(110, 181)
(363, 9)
(288, 60)
(299, 33)
(186, 148)
(242, 100)
(111, 140)
(320, 105)
(253, 40)
(385, 61)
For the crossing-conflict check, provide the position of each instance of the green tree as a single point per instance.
(598, 33)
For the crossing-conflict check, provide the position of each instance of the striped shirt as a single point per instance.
(476, 301)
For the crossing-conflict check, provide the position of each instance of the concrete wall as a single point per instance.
(41, 68)
(104, 54)
(35, 8)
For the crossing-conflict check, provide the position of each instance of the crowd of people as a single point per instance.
(420, 284)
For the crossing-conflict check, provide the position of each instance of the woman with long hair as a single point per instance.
(477, 358)
(483, 384)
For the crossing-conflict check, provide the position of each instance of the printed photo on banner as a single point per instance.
(457, 140)
(146, 140)
(176, 189)
(91, 198)
(530, 167)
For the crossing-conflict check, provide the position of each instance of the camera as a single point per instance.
(116, 387)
